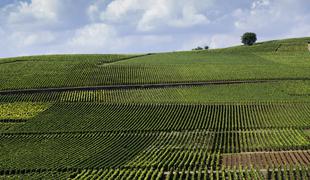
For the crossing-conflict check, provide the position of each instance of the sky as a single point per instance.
(31, 27)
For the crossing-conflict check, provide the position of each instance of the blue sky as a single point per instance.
(30, 27)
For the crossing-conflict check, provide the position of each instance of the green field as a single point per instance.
(76, 116)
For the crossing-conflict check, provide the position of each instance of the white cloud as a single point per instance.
(102, 38)
(267, 14)
(258, 16)
(190, 17)
(260, 3)
(160, 15)
(119, 9)
(274, 19)
(31, 39)
(93, 37)
(93, 12)
(123, 26)
(35, 12)
(224, 40)
(153, 14)
(26, 25)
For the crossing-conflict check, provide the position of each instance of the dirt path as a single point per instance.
(124, 59)
(276, 50)
(143, 86)
(277, 158)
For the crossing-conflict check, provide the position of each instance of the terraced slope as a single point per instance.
(200, 130)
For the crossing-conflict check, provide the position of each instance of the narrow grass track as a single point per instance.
(144, 86)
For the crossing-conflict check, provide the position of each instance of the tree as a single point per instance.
(198, 48)
(206, 47)
(249, 38)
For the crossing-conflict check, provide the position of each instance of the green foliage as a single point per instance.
(284, 91)
(161, 133)
(198, 48)
(255, 62)
(156, 117)
(249, 38)
(22, 110)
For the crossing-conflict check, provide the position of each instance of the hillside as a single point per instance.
(238, 112)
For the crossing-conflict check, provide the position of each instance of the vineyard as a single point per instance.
(239, 113)
(159, 117)
(52, 73)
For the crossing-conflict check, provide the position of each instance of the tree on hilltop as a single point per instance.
(249, 38)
